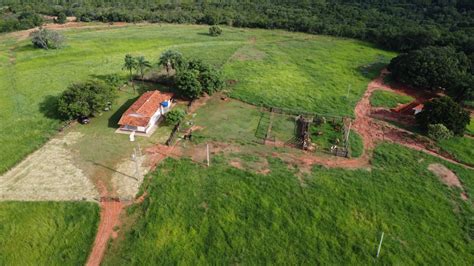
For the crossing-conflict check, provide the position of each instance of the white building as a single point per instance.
(144, 113)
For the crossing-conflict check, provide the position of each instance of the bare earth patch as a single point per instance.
(447, 177)
(247, 53)
(126, 181)
(48, 174)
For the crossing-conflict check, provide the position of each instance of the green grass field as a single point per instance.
(47, 233)
(462, 148)
(222, 215)
(294, 70)
(388, 99)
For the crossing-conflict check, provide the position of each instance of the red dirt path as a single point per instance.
(109, 218)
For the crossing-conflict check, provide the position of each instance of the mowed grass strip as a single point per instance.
(271, 67)
(223, 215)
(388, 99)
(47, 233)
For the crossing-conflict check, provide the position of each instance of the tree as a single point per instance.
(129, 64)
(215, 31)
(444, 111)
(175, 116)
(429, 68)
(142, 64)
(47, 39)
(86, 99)
(462, 89)
(439, 132)
(210, 78)
(188, 84)
(211, 81)
(61, 19)
(171, 59)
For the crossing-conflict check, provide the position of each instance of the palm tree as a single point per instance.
(141, 65)
(130, 63)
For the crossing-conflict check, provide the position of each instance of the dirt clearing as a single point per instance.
(447, 177)
(48, 174)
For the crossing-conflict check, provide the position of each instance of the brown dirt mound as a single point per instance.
(446, 175)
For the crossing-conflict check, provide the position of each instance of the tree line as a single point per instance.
(393, 24)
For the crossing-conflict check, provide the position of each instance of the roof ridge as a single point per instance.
(146, 101)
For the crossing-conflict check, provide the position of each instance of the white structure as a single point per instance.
(146, 112)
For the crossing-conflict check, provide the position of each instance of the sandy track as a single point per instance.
(48, 174)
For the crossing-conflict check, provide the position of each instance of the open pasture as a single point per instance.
(47, 233)
(224, 215)
(294, 70)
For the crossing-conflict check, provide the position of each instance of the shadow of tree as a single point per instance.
(113, 120)
(49, 107)
(371, 71)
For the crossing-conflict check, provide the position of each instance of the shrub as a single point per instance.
(114, 80)
(86, 99)
(61, 19)
(444, 111)
(188, 84)
(175, 116)
(215, 31)
(439, 132)
(47, 39)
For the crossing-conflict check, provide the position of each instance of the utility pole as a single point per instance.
(348, 132)
(207, 151)
(380, 245)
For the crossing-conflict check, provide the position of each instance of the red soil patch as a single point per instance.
(446, 175)
(236, 164)
(109, 218)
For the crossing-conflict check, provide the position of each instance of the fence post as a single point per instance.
(380, 245)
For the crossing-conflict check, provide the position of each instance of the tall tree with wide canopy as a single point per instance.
(429, 68)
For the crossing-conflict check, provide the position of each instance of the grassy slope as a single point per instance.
(462, 148)
(222, 215)
(311, 74)
(388, 99)
(319, 69)
(46, 233)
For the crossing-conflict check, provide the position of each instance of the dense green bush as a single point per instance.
(61, 19)
(444, 111)
(439, 132)
(187, 83)
(175, 116)
(429, 68)
(47, 39)
(215, 31)
(86, 99)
